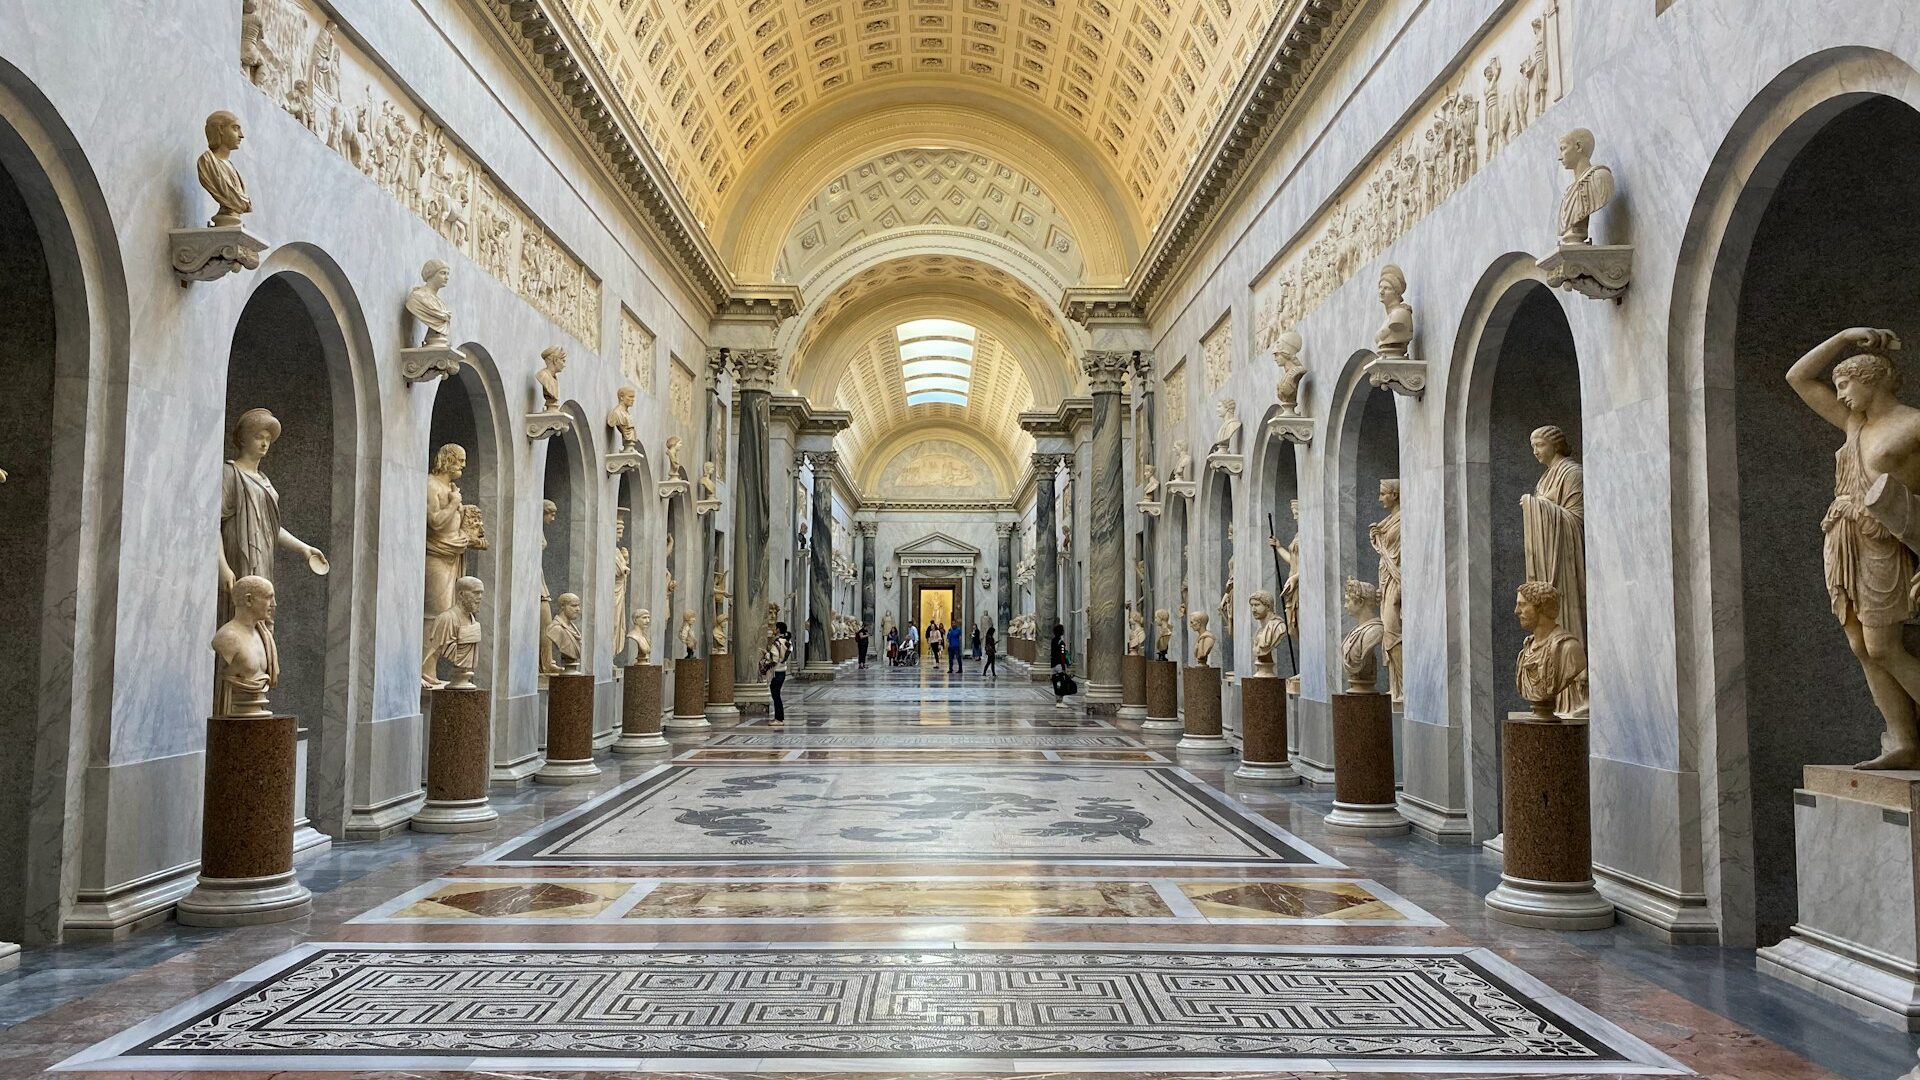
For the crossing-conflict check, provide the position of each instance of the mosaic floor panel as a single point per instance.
(945, 741)
(760, 1007)
(863, 813)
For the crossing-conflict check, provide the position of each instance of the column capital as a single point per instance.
(1048, 464)
(753, 369)
(821, 459)
(718, 361)
(1005, 528)
(868, 528)
(1106, 369)
(1143, 370)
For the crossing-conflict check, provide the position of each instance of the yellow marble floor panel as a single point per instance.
(902, 899)
(1344, 901)
(479, 899)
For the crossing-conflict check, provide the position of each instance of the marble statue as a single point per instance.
(1385, 538)
(1203, 640)
(248, 661)
(640, 636)
(1136, 631)
(1162, 631)
(563, 633)
(622, 571)
(454, 636)
(1396, 333)
(1551, 672)
(689, 637)
(1270, 630)
(709, 485)
(1554, 519)
(250, 531)
(548, 512)
(671, 584)
(1286, 353)
(1591, 190)
(620, 419)
(1226, 440)
(217, 174)
(1182, 462)
(720, 593)
(425, 304)
(675, 470)
(1359, 653)
(449, 538)
(1290, 589)
(886, 579)
(887, 624)
(719, 635)
(1226, 593)
(670, 545)
(802, 544)
(553, 361)
(1870, 568)
(1149, 485)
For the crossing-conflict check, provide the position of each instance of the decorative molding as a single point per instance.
(1404, 375)
(1087, 306)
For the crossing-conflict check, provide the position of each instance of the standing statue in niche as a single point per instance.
(622, 571)
(1162, 631)
(1136, 631)
(1270, 631)
(248, 661)
(425, 305)
(250, 531)
(1203, 639)
(1554, 519)
(1870, 543)
(1591, 190)
(454, 636)
(640, 637)
(1227, 439)
(553, 361)
(548, 512)
(1385, 537)
(1290, 590)
(563, 633)
(1396, 333)
(1551, 672)
(1359, 654)
(1286, 353)
(217, 174)
(620, 419)
(450, 535)
(689, 637)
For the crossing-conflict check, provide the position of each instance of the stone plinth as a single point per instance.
(246, 827)
(459, 764)
(569, 731)
(1202, 731)
(1858, 939)
(1163, 697)
(1363, 798)
(1263, 732)
(1133, 686)
(213, 252)
(1547, 878)
(720, 688)
(640, 713)
(689, 695)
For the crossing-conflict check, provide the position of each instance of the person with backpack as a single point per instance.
(774, 661)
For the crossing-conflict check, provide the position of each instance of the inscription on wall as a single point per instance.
(1514, 77)
(297, 57)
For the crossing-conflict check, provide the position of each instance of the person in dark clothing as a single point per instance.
(860, 637)
(1057, 657)
(976, 643)
(991, 649)
(954, 656)
(774, 661)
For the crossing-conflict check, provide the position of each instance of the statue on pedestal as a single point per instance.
(1136, 631)
(1385, 537)
(620, 419)
(1286, 353)
(248, 661)
(709, 484)
(217, 174)
(1203, 640)
(425, 304)
(250, 531)
(689, 637)
(675, 470)
(1554, 519)
(1182, 462)
(1390, 342)
(622, 571)
(450, 536)
(1551, 672)
(454, 636)
(1869, 567)
(719, 635)
(1227, 439)
(1358, 654)
(553, 361)
(1591, 190)
(1269, 631)
(639, 636)
(563, 633)
(1149, 485)
(1162, 632)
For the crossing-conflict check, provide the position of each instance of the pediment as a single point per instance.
(938, 543)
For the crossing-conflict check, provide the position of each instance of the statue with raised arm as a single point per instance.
(1270, 631)
(1591, 190)
(1554, 520)
(1359, 654)
(563, 633)
(1870, 566)
(425, 304)
(1162, 631)
(217, 174)
(553, 361)
(248, 662)
(1396, 332)
(1551, 672)
(454, 636)
(1385, 537)
(250, 530)
(1290, 590)
(1203, 639)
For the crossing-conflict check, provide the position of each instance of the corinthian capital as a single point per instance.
(822, 459)
(1106, 370)
(1047, 464)
(754, 369)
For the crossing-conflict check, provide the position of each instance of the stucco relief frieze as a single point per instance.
(637, 345)
(298, 58)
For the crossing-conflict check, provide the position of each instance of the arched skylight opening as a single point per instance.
(936, 360)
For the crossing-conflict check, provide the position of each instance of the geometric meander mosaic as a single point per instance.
(335, 1006)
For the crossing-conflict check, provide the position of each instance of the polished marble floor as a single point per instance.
(919, 874)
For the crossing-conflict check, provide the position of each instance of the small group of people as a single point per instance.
(947, 641)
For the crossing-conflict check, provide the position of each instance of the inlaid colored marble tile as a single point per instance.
(929, 757)
(492, 900)
(1346, 901)
(903, 899)
(736, 755)
(1109, 757)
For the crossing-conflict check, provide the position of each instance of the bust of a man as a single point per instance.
(454, 634)
(719, 635)
(1591, 189)
(689, 637)
(1551, 671)
(620, 419)
(217, 174)
(709, 484)
(249, 662)
(1162, 631)
(1182, 462)
(425, 304)
(1360, 653)
(563, 633)
(1203, 639)
(1136, 632)
(1270, 630)
(640, 636)
(553, 361)
(1227, 439)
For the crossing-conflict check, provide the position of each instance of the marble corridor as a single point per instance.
(920, 873)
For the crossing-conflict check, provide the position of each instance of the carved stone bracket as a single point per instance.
(545, 425)
(624, 461)
(1405, 375)
(1227, 462)
(1598, 271)
(429, 362)
(1150, 508)
(670, 488)
(213, 253)
(1181, 489)
(1293, 429)
(704, 507)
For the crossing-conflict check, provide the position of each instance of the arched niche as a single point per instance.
(466, 413)
(637, 511)
(1179, 554)
(1225, 561)
(1369, 452)
(1521, 372)
(298, 350)
(564, 559)
(1277, 482)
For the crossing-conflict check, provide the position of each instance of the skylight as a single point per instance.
(936, 360)
(920, 328)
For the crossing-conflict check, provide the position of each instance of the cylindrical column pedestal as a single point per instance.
(459, 764)
(720, 688)
(1547, 880)
(689, 695)
(640, 713)
(246, 827)
(1133, 686)
(1263, 733)
(1363, 802)
(1202, 732)
(1163, 696)
(569, 731)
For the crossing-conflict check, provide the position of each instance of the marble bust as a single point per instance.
(1203, 639)
(1136, 632)
(1359, 654)
(1270, 631)
(1227, 439)
(1396, 333)
(719, 635)
(1551, 671)
(424, 303)
(1592, 188)
(709, 486)
(1149, 485)
(454, 636)
(249, 662)
(620, 419)
(1286, 353)
(563, 633)
(1162, 631)
(553, 361)
(675, 470)
(217, 174)
(1182, 462)
(641, 637)
(689, 637)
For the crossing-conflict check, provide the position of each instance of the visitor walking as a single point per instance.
(988, 670)
(893, 647)
(976, 643)
(774, 661)
(860, 639)
(1063, 683)
(934, 639)
(954, 655)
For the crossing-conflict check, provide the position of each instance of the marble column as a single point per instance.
(754, 371)
(1005, 580)
(820, 580)
(1107, 529)
(1046, 563)
(869, 585)
(1143, 412)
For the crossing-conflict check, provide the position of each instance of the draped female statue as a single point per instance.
(448, 538)
(250, 531)
(1385, 535)
(1555, 518)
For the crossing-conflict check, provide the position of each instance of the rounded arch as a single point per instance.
(470, 408)
(1762, 148)
(1275, 484)
(1219, 551)
(1360, 452)
(882, 453)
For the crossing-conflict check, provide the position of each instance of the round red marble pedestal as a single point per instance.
(1202, 731)
(1163, 697)
(720, 687)
(1546, 879)
(569, 731)
(1263, 732)
(246, 828)
(1363, 800)
(459, 763)
(689, 695)
(640, 713)
(1133, 686)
